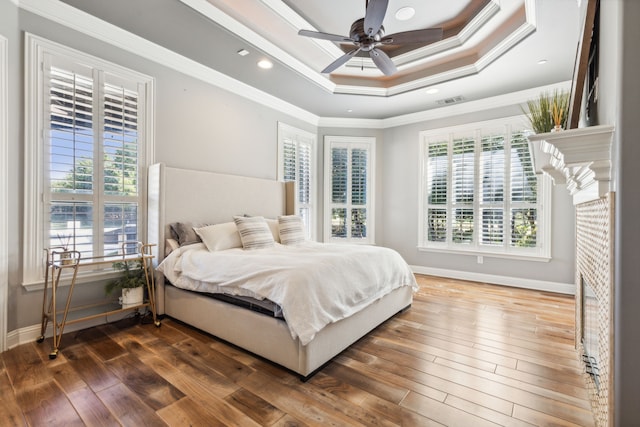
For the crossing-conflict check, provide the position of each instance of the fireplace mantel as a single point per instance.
(580, 158)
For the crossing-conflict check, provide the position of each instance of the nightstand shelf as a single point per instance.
(60, 261)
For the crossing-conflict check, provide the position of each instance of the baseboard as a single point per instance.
(32, 333)
(539, 285)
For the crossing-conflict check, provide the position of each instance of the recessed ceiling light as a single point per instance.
(243, 52)
(405, 13)
(265, 63)
(542, 61)
(432, 90)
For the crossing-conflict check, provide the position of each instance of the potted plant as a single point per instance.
(131, 281)
(548, 113)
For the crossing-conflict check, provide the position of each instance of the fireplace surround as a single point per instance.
(594, 259)
(581, 159)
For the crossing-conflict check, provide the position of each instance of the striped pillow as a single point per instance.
(254, 232)
(291, 230)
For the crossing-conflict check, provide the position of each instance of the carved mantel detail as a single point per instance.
(580, 158)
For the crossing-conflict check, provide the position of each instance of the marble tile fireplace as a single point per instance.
(581, 159)
(594, 302)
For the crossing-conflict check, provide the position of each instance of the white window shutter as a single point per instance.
(479, 192)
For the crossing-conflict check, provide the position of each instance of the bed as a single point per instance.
(198, 197)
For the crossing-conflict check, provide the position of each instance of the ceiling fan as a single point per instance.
(367, 35)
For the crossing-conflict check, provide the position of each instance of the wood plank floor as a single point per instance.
(465, 354)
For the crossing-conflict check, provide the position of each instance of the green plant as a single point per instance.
(560, 108)
(548, 111)
(132, 276)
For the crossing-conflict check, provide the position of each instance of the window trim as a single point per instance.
(370, 143)
(541, 253)
(284, 131)
(33, 234)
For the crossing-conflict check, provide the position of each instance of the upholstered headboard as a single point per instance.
(206, 197)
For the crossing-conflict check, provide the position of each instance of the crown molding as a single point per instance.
(84, 23)
(70, 17)
(507, 100)
(469, 107)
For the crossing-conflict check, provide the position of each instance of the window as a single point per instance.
(349, 189)
(479, 192)
(296, 162)
(88, 146)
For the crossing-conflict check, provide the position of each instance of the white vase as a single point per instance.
(131, 296)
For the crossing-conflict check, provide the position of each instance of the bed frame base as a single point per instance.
(273, 340)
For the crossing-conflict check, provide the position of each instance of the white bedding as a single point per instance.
(315, 283)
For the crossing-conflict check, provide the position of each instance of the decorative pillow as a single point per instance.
(254, 232)
(275, 228)
(291, 229)
(219, 237)
(184, 233)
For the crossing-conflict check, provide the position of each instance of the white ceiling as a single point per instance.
(495, 52)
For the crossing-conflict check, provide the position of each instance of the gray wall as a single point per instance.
(400, 156)
(197, 126)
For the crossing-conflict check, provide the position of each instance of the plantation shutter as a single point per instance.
(304, 174)
(339, 191)
(479, 192)
(70, 120)
(296, 163)
(437, 179)
(359, 172)
(91, 176)
(492, 167)
(524, 195)
(289, 159)
(121, 165)
(463, 165)
(349, 214)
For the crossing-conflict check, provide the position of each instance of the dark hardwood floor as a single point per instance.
(465, 354)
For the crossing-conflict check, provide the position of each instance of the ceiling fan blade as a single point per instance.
(376, 9)
(325, 36)
(427, 35)
(382, 61)
(338, 62)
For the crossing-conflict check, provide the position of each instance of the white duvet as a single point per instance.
(315, 283)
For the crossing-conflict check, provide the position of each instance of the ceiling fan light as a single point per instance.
(405, 13)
